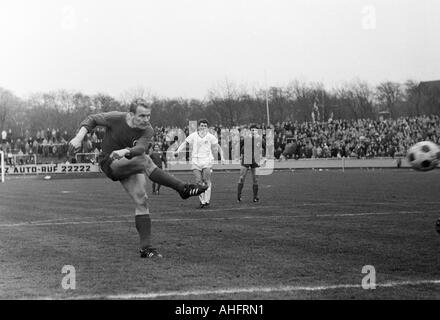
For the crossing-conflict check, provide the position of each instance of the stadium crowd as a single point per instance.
(363, 138)
(44, 146)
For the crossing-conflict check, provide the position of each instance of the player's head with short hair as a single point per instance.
(201, 121)
(203, 125)
(156, 147)
(140, 112)
(139, 102)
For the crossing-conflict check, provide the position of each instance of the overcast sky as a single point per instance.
(185, 47)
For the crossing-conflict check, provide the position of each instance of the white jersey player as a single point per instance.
(204, 145)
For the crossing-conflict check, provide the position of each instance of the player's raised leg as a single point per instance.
(143, 164)
(136, 186)
(243, 173)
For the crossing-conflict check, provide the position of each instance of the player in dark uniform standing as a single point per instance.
(252, 146)
(123, 158)
(158, 158)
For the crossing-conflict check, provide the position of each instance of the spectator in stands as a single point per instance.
(9, 137)
(45, 148)
(27, 148)
(94, 140)
(314, 152)
(319, 151)
(290, 149)
(308, 150)
(38, 137)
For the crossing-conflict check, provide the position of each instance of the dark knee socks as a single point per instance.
(239, 189)
(167, 180)
(255, 190)
(143, 226)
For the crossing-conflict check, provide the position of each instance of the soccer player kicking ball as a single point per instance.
(250, 146)
(204, 145)
(123, 158)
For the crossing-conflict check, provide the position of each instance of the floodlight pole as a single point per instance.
(267, 100)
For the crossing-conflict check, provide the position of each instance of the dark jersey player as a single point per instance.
(123, 158)
(252, 146)
(158, 158)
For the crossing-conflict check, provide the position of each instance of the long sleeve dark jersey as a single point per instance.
(158, 158)
(119, 134)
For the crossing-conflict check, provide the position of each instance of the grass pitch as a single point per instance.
(308, 238)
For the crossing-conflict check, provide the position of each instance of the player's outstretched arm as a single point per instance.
(180, 148)
(75, 143)
(216, 149)
(87, 125)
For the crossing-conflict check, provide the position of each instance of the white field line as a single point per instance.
(391, 203)
(312, 204)
(171, 220)
(373, 213)
(167, 294)
(72, 219)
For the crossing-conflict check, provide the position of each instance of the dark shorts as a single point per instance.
(250, 166)
(104, 162)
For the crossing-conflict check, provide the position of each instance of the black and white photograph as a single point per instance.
(237, 152)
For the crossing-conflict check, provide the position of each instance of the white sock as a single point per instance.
(207, 193)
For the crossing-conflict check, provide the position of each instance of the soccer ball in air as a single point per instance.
(424, 156)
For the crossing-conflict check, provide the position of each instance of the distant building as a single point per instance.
(428, 101)
(426, 86)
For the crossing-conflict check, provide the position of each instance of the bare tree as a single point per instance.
(355, 100)
(135, 93)
(345, 103)
(363, 99)
(224, 101)
(8, 102)
(411, 97)
(58, 109)
(105, 103)
(389, 95)
(302, 98)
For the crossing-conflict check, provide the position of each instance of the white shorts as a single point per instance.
(201, 164)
